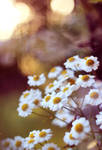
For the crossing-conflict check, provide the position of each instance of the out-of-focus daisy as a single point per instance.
(99, 119)
(65, 115)
(54, 72)
(33, 134)
(50, 146)
(44, 135)
(36, 100)
(85, 80)
(70, 140)
(73, 63)
(66, 72)
(90, 63)
(29, 143)
(59, 123)
(29, 94)
(36, 80)
(94, 97)
(25, 108)
(7, 144)
(52, 87)
(80, 128)
(57, 101)
(66, 90)
(18, 143)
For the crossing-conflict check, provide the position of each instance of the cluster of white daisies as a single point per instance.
(72, 89)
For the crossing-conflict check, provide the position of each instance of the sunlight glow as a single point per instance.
(12, 14)
(63, 7)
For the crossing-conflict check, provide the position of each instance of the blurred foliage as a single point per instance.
(95, 1)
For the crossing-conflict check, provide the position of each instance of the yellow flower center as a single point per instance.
(51, 85)
(85, 58)
(65, 89)
(31, 135)
(64, 72)
(36, 101)
(71, 59)
(89, 62)
(47, 98)
(94, 95)
(36, 78)
(18, 143)
(42, 134)
(56, 100)
(6, 144)
(25, 95)
(85, 78)
(24, 107)
(79, 128)
(71, 137)
(31, 141)
(71, 81)
(51, 148)
(53, 69)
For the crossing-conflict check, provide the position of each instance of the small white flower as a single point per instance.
(57, 101)
(7, 144)
(65, 115)
(29, 94)
(85, 80)
(52, 87)
(73, 63)
(46, 100)
(94, 97)
(43, 135)
(18, 143)
(50, 146)
(54, 72)
(59, 123)
(99, 119)
(89, 64)
(25, 108)
(67, 72)
(80, 128)
(33, 134)
(70, 140)
(30, 143)
(36, 80)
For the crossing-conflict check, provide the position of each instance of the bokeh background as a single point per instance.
(35, 35)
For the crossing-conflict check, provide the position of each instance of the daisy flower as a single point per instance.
(70, 140)
(65, 115)
(94, 97)
(57, 101)
(80, 128)
(54, 72)
(7, 144)
(44, 135)
(18, 143)
(52, 87)
(29, 94)
(59, 123)
(36, 80)
(25, 108)
(33, 134)
(66, 72)
(29, 143)
(99, 119)
(85, 80)
(90, 63)
(36, 100)
(50, 146)
(73, 63)
(46, 100)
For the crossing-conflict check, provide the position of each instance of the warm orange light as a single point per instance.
(63, 7)
(12, 14)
